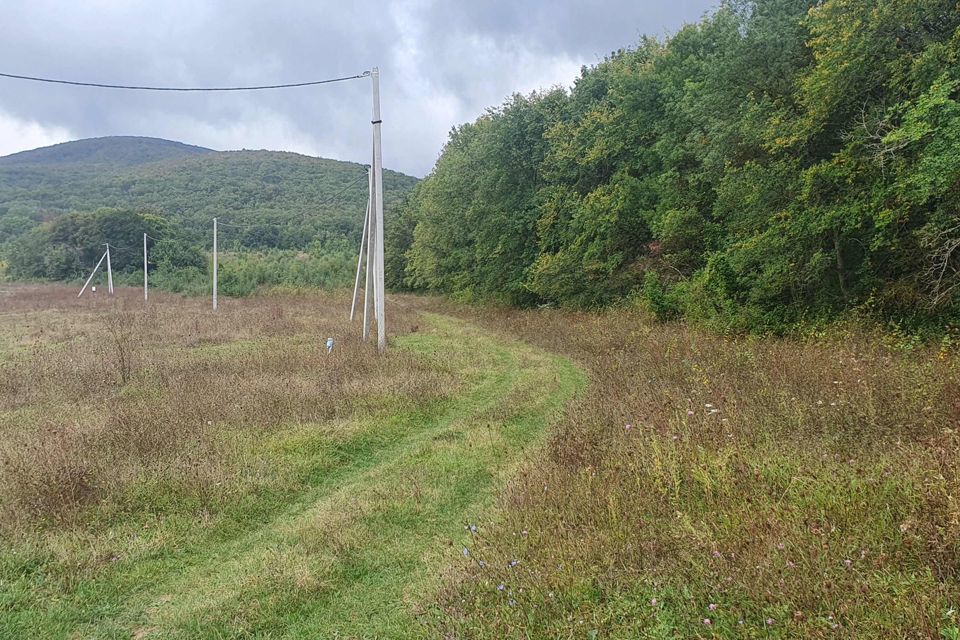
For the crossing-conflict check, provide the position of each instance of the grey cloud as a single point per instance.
(443, 63)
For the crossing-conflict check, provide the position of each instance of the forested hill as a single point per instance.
(112, 150)
(302, 198)
(780, 162)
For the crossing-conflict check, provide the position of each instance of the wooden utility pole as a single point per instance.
(109, 272)
(377, 209)
(214, 264)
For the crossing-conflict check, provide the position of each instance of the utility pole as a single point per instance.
(109, 272)
(377, 209)
(144, 267)
(214, 264)
(363, 243)
(92, 273)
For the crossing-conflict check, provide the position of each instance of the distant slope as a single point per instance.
(113, 150)
(309, 198)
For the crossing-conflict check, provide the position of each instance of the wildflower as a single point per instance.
(514, 563)
(482, 564)
(689, 412)
(473, 528)
(790, 564)
(780, 546)
(847, 563)
(712, 607)
(466, 553)
(524, 532)
(769, 622)
(717, 554)
(501, 587)
(628, 427)
(511, 602)
(653, 602)
(707, 621)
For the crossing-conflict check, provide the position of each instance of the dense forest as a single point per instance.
(285, 218)
(782, 162)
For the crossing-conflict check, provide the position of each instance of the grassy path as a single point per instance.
(360, 551)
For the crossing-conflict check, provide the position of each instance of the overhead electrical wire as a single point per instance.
(291, 85)
(101, 85)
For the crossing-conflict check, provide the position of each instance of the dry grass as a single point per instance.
(129, 406)
(773, 488)
(168, 472)
(709, 486)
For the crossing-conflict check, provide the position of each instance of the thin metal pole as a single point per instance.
(144, 267)
(92, 273)
(109, 272)
(363, 244)
(377, 208)
(214, 264)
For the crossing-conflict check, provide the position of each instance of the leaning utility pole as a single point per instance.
(214, 264)
(376, 209)
(368, 281)
(92, 273)
(109, 272)
(363, 244)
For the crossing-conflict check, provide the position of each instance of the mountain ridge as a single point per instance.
(105, 150)
(316, 198)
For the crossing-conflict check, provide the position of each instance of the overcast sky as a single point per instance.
(442, 63)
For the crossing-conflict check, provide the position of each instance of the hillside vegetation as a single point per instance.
(781, 162)
(58, 205)
(116, 151)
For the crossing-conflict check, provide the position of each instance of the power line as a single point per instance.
(100, 85)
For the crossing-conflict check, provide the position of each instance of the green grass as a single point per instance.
(358, 550)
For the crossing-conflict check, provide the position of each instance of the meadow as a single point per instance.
(168, 472)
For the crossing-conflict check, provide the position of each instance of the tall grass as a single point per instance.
(118, 405)
(737, 487)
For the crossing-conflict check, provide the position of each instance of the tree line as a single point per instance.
(68, 247)
(780, 162)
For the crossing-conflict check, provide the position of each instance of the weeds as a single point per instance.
(100, 398)
(734, 487)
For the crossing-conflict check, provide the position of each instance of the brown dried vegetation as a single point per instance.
(101, 399)
(802, 488)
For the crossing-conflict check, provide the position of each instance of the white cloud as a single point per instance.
(20, 135)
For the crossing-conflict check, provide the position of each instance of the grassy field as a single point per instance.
(173, 473)
(166, 472)
(708, 486)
